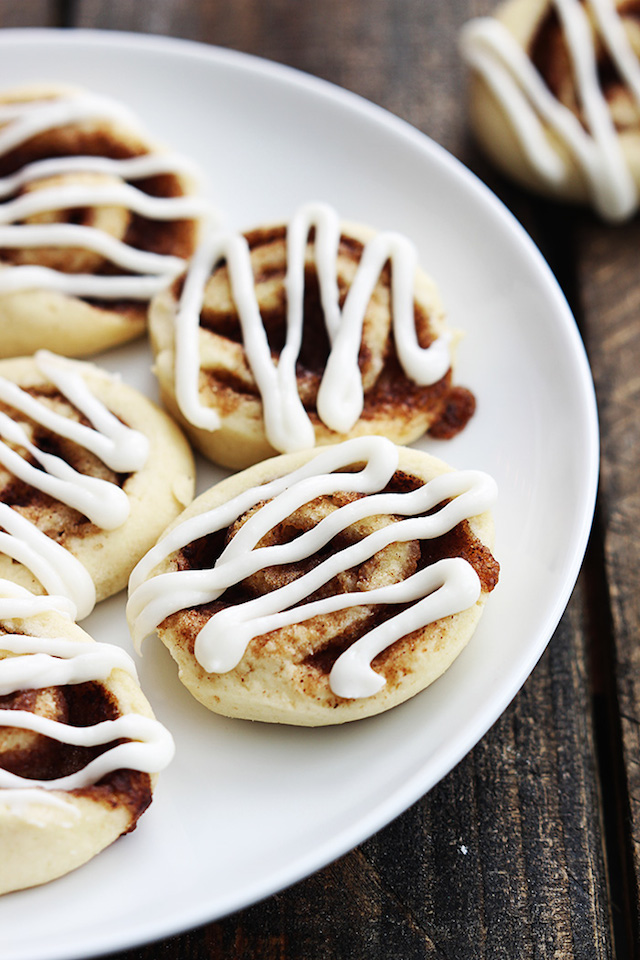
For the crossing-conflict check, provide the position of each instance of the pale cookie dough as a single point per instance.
(555, 98)
(60, 803)
(259, 590)
(94, 219)
(276, 342)
(91, 472)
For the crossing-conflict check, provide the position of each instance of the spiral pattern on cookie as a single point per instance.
(79, 746)
(68, 471)
(319, 584)
(295, 335)
(94, 219)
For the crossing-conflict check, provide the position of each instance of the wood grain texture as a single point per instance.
(28, 13)
(506, 857)
(608, 279)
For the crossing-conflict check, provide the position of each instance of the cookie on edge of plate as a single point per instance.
(63, 697)
(303, 334)
(91, 472)
(277, 591)
(95, 218)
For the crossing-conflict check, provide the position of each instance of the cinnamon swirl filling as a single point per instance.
(94, 219)
(387, 389)
(292, 336)
(79, 747)
(322, 594)
(79, 454)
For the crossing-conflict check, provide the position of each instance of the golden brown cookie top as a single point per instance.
(90, 210)
(79, 746)
(90, 473)
(314, 576)
(307, 333)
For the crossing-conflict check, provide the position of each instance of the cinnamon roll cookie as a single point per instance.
(555, 98)
(79, 746)
(94, 219)
(90, 474)
(303, 334)
(322, 586)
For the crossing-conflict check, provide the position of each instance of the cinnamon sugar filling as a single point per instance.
(56, 519)
(549, 54)
(166, 237)
(388, 392)
(326, 638)
(38, 757)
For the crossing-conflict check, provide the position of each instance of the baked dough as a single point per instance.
(94, 218)
(570, 139)
(308, 666)
(45, 832)
(222, 370)
(51, 539)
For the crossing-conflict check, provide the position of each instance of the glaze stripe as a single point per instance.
(134, 168)
(54, 661)
(58, 571)
(150, 747)
(25, 236)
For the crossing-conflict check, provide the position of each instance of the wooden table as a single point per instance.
(531, 846)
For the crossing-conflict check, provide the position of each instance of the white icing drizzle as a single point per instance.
(153, 271)
(25, 120)
(58, 571)
(150, 748)
(25, 604)
(54, 661)
(121, 195)
(74, 235)
(442, 589)
(340, 397)
(101, 501)
(133, 168)
(491, 50)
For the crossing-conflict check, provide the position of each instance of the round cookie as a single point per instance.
(277, 591)
(568, 132)
(94, 219)
(304, 334)
(91, 472)
(62, 804)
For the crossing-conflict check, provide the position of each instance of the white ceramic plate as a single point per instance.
(246, 809)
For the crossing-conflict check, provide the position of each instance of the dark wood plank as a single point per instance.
(505, 857)
(28, 13)
(611, 297)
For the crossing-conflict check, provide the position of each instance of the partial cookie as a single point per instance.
(94, 219)
(91, 472)
(554, 98)
(321, 587)
(302, 334)
(79, 746)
